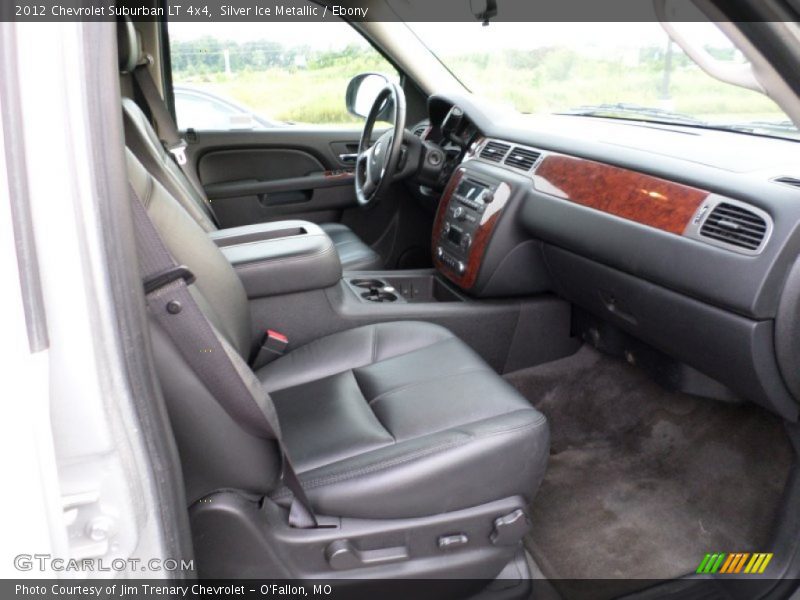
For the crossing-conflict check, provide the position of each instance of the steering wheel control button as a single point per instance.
(449, 542)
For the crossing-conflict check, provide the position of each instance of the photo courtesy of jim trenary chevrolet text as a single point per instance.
(437, 299)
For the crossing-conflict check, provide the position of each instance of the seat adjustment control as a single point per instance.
(342, 555)
(447, 542)
(509, 529)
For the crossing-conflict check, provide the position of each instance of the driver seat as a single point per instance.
(141, 138)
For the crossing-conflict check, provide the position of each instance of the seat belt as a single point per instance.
(168, 130)
(215, 363)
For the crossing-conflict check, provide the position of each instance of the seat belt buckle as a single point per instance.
(178, 151)
(159, 280)
(272, 346)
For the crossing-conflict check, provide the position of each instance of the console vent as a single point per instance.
(494, 151)
(522, 158)
(735, 225)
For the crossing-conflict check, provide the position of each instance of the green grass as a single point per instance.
(295, 94)
(549, 82)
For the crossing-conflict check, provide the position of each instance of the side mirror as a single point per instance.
(361, 93)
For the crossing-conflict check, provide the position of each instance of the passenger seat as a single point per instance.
(419, 458)
(143, 140)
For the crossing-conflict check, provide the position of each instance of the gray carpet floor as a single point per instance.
(642, 482)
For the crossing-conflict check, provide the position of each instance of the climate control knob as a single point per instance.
(461, 267)
(459, 213)
(466, 241)
(487, 196)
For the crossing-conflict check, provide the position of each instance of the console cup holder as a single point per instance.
(368, 283)
(377, 295)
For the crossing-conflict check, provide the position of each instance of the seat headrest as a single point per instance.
(129, 46)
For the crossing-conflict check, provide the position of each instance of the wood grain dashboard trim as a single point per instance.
(481, 237)
(631, 195)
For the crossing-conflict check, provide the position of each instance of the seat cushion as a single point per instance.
(354, 254)
(399, 420)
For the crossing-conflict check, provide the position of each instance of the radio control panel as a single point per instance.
(463, 217)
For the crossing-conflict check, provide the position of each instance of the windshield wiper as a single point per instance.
(627, 111)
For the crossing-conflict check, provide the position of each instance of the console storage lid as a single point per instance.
(280, 257)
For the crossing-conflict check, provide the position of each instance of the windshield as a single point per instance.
(618, 70)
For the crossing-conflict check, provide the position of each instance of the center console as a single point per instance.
(401, 287)
(486, 286)
(281, 257)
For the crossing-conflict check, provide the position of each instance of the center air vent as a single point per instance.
(494, 151)
(735, 225)
(522, 158)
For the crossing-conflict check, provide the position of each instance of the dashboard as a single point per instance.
(685, 238)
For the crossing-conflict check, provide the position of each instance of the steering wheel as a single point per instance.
(376, 165)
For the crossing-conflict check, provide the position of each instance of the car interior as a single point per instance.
(473, 346)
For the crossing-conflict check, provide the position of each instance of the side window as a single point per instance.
(250, 76)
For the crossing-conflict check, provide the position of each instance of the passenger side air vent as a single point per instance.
(522, 158)
(494, 151)
(793, 181)
(735, 225)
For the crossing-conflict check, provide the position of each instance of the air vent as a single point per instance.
(420, 130)
(522, 158)
(793, 181)
(735, 225)
(494, 151)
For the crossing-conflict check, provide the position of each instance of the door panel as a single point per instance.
(282, 173)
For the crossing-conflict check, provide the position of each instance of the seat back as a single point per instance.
(143, 140)
(216, 452)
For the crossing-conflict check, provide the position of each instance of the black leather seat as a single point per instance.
(400, 420)
(388, 421)
(140, 137)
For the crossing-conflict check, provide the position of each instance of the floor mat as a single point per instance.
(643, 482)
